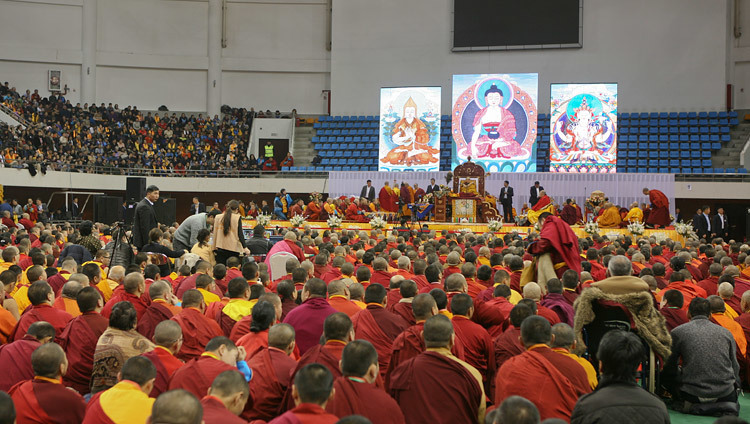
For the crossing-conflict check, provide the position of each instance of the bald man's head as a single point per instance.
(532, 291)
(70, 289)
(177, 407)
(49, 361)
(336, 287)
(167, 333)
(281, 336)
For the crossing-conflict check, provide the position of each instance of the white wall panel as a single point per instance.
(275, 91)
(40, 25)
(150, 88)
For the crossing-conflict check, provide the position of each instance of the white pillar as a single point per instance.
(213, 94)
(88, 52)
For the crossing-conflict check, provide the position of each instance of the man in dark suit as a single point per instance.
(197, 207)
(145, 217)
(75, 210)
(432, 186)
(702, 222)
(720, 225)
(368, 191)
(534, 193)
(506, 199)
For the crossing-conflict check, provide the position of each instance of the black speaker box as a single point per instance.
(135, 189)
(165, 210)
(107, 209)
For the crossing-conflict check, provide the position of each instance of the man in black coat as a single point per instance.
(534, 193)
(506, 199)
(145, 217)
(702, 222)
(618, 398)
(432, 187)
(720, 224)
(197, 207)
(368, 191)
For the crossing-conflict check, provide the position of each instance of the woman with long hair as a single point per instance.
(202, 247)
(228, 237)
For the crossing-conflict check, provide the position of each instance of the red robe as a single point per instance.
(342, 304)
(43, 400)
(379, 327)
(418, 385)
(357, 397)
(381, 277)
(15, 360)
(508, 345)
(307, 320)
(272, 370)
(214, 412)
(553, 391)
(388, 202)
(138, 303)
(153, 315)
(312, 212)
(710, 285)
(197, 331)
(57, 281)
(478, 348)
(7, 324)
(409, 344)
(598, 271)
(688, 290)
(253, 342)
(198, 374)
(561, 242)
(493, 315)
(79, 342)
(547, 314)
(352, 214)
(332, 274)
(675, 317)
(405, 311)
(44, 312)
(166, 365)
(241, 328)
(305, 413)
(659, 214)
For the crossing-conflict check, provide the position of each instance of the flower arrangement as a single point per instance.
(636, 228)
(297, 221)
(520, 220)
(591, 228)
(377, 223)
(334, 222)
(495, 225)
(686, 230)
(263, 220)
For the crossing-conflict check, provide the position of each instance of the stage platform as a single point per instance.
(466, 227)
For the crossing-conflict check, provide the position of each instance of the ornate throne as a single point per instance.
(468, 183)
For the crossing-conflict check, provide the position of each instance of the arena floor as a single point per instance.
(678, 418)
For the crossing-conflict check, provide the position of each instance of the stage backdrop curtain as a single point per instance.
(621, 189)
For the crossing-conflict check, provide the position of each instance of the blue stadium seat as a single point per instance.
(674, 170)
(674, 162)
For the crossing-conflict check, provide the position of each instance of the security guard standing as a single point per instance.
(268, 149)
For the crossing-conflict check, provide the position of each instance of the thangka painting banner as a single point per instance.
(494, 121)
(583, 133)
(409, 129)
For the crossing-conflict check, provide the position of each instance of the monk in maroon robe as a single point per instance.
(197, 329)
(672, 303)
(44, 397)
(226, 398)
(161, 309)
(378, 326)
(659, 214)
(307, 319)
(560, 242)
(198, 374)
(131, 290)
(356, 392)
(477, 343)
(508, 344)
(569, 213)
(272, 370)
(558, 380)
(311, 390)
(410, 342)
(168, 339)
(79, 340)
(41, 297)
(15, 358)
(419, 384)
(387, 199)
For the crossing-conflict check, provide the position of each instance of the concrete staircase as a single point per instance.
(729, 155)
(303, 148)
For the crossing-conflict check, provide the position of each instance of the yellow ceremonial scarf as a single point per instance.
(209, 297)
(239, 308)
(125, 403)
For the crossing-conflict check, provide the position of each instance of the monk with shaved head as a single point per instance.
(168, 340)
(80, 337)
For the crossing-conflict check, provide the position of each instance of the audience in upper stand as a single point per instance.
(110, 139)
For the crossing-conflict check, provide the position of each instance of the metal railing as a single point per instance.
(196, 173)
(15, 115)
